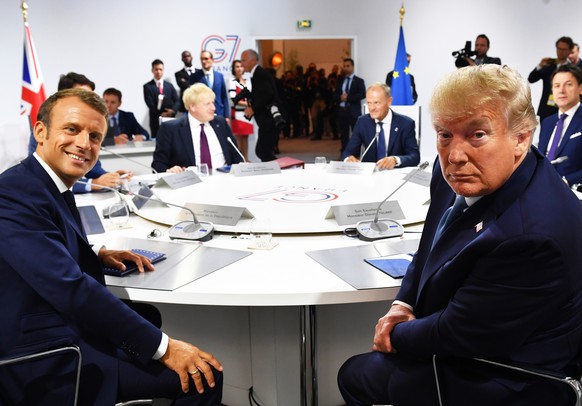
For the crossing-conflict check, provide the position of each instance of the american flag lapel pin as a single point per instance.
(478, 226)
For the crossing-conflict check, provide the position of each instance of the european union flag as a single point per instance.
(401, 89)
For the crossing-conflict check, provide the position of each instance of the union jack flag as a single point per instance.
(33, 94)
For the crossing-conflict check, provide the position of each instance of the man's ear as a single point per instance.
(40, 132)
(523, 143)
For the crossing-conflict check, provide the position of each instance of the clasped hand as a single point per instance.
(397, 314)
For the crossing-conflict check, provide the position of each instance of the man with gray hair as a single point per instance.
(497, 273)
(198, 137)
(390, 136)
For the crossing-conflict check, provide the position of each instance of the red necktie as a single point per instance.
(204, 148)
(160, 88)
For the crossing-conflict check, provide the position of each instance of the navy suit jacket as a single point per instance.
(174, 144)
(129, 125)
(356, 93)
(150, 95)
(503, 281)
(57, 296)
(570, 146)
(402, 142)
(219, 89)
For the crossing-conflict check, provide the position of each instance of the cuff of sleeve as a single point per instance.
(398, 302)
(162, 348)
(398, 161)
(88, 185)
(96, 248)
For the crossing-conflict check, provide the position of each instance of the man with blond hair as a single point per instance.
(497, 273)
(195, 138)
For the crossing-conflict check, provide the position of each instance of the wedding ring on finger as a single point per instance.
(193, 372)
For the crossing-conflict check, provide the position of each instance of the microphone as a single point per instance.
(236, 149)
(558, 160)
(375, 139)
(131, 160)
(385, 228)
(184, 230)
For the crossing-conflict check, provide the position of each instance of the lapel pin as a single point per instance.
(478, 226)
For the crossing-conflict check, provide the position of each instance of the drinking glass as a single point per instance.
(320, 162)
(203, 170)
(118, 214)
(260, 233)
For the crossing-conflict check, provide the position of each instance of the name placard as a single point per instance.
(224, 215)
(421, 178)
(352, 213)
(255, 168)
(179, 180)
(351, 168)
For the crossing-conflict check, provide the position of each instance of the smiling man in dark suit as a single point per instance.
(196, 137)
(566, 138)
(395, 145)
(58, 295)
(496, 276)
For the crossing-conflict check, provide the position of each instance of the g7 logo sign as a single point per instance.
(223, 49)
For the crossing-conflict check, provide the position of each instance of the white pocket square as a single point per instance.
(576, 135)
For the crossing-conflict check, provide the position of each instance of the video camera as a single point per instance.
(272, 108)
(461, 54)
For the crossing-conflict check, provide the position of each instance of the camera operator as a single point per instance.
(481, 48)
(264, 105)
(480, 53)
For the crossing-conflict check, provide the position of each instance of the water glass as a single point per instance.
(118, 214)
(203, 170)
(320, 162)
(260, 233)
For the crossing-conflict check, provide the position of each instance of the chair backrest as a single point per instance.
(46, 377)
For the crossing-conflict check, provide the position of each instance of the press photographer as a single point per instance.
(463, 56)
(264, 102)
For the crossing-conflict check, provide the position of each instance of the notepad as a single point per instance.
(131, 266)
(393, 265)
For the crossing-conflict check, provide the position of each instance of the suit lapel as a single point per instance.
(476, 221)
(186, 137)
(573, 127)
(393, 133)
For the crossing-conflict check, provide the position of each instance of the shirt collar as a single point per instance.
(571, 111)
(58, 182)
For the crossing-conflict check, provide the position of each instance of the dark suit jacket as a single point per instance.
(402, 141)
(570, 146)
(356, 93)
(127, 124)
(57, 295)
(545, 75)
(264, 94)
(150, 95)
(503, 281)
(174, 144)
(219, 89)
(183, 81)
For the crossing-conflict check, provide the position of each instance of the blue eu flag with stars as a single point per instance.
(401, 89)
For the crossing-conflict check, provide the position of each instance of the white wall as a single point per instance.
(114, 42)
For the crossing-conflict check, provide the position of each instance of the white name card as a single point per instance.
(351, 168)
(255, 168)
(179, 180)
(353, 213)
(223, 215)
(421, 178)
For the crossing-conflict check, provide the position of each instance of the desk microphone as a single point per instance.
(236, 149)
(184, 230)
(375, 139)
(131, 160)
(558, 160)
(385, 228)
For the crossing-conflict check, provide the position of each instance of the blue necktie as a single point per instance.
(116, 130)
(557, 135)
(450, 215)
(381, 143)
